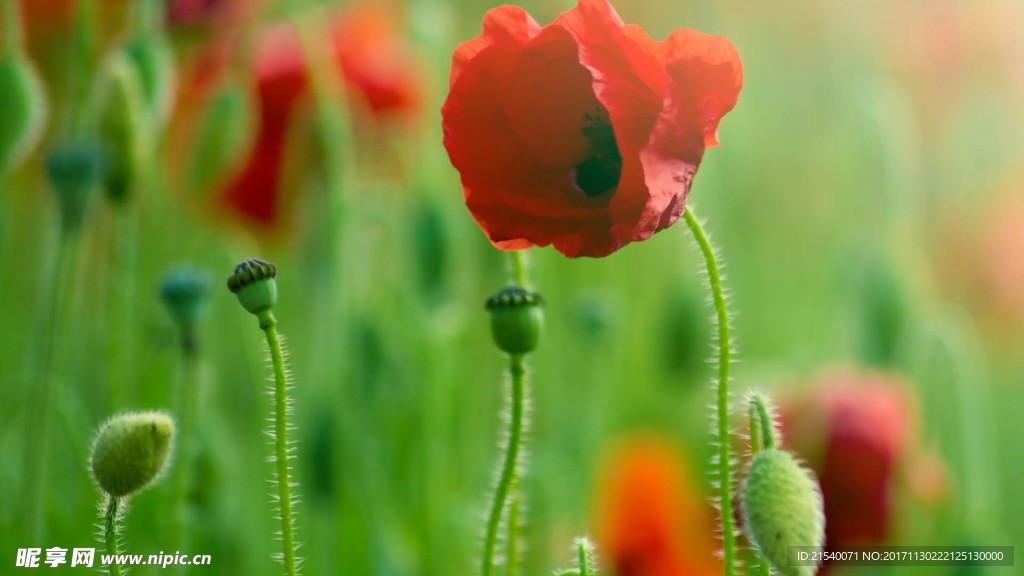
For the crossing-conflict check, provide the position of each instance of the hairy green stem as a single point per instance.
(761, 426)
(515, 504)
(517, 370)
(281, 451)
(583, 550)
(722, 401)
(111, 521)
(47, 397)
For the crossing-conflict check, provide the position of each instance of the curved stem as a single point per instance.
(722, 407)
(281, 451)
(111, 520)
(518, 373)
(761, 425)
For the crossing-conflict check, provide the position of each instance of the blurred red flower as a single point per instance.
(857, 430)
(380, 72)
(584, 134)
(653, 521)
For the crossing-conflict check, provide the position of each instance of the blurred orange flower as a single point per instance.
(652, 520)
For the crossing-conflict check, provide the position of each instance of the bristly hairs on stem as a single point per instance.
(279, 428)
(764, 435)
(112, 510)
(723, 461)
(515, 419)
(584, 559)
(253, 282)
(763, 423)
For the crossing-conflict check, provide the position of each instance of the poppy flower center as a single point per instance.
(599, 172)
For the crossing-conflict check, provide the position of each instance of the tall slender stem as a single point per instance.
(120, 303)
(111, 520)
(517, 371)
(188, 383)
(722, 401)
(47, 395)
(281, 450)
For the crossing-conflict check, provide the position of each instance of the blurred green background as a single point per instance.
(866, 198)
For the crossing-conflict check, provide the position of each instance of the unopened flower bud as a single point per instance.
(782, 507)
(74, 168)
(122, 115)
(516, 319)
(153, 60)
(253, 282)
(184, 292)
(131, 451)
(23, 113)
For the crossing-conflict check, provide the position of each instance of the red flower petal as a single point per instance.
(503, 26)
(600, 130)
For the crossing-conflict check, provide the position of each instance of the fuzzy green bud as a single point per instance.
(153, 60)
(782, 507)
(23, 113)
(122, 117)
(74, 168)
(254, 285)
(220, 138)
(131, 451)
(184, 292)
(516, 319)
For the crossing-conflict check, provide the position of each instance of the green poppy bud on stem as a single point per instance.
(74, 168)
(131, 451)
(516, 319)
(184, 292)
(254, 285)
(153, 61)
(122, 116)
(23, 113)
(782, 507)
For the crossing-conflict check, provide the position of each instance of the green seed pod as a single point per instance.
(253, 282)
(153, 60)
(184, 292)
(23, 113)
(131, 451)
(516, 319)
(122, 118)
(782, 507)
(74, 168)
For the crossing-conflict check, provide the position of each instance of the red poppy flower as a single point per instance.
(653, 521)
(372, 57)
(584, 134)
(857, 430)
